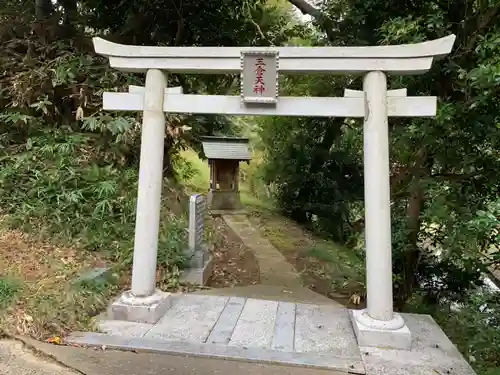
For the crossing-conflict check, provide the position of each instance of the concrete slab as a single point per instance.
(307, 360)
(242, 328)
(275, 332)
(255, 327)
(191, 318)
(324, 329)
(111, 362)
(431, 353)
(224, 328)
(122, 328)
(284, 329)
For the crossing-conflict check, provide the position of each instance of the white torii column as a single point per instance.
(377, 199)
(144, 303)
(150, 182)
(379, 318)
(147, 222)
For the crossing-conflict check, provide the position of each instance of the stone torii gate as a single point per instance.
(378, 325)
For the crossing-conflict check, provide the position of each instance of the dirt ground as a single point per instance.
(235, 265)
(36, 286)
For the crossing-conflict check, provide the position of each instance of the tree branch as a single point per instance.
(259, 30)
(306, 8)
(324, 22)
(485, 22)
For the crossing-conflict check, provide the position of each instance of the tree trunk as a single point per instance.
(416, 200)
(168, 167)
(412, 255)
(43, 9)
(69, 17)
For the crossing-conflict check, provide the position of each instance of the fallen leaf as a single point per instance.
(28, 318)
(355, 298)
(56, 340)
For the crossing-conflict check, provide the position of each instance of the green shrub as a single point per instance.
(8, 291)
(59, 185)
(474, 328)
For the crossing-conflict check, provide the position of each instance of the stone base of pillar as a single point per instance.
(393, 334)
(140, 309)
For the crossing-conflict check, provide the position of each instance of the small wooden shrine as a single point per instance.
(224, 156)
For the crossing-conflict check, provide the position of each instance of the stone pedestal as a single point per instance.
(199, 275)
(200, 268)
(219, 200)
(200, 261)
(391, 334)
(140, 309)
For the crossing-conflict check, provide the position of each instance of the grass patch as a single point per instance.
(252, 202)
(9, 290)
(326, 267)
(324, 254)
(340, 259)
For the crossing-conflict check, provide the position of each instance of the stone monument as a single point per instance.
(200, 262)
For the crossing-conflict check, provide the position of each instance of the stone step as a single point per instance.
(189, 349)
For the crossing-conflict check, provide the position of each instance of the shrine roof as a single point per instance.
(228, 148)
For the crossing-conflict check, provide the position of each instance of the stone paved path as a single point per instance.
(276, 332)
(274, 268)
(240, 328)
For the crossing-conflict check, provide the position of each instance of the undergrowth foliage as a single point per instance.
(55, 185)
(67, 170)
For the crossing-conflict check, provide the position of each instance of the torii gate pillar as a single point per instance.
(378, 325)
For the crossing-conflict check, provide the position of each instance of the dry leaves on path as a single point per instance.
(234, 263)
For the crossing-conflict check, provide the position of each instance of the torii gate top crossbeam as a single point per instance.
(397, 59)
